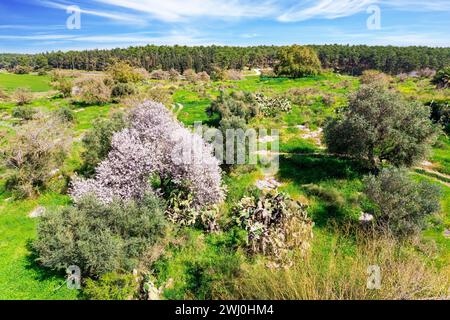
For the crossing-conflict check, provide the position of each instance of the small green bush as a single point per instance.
(99, 238)
(97, 141)
(122, 90)
(24, 112)
(65, 114)
(22, 69)
(111, 286)
(297, 61)
(91, 90)
(22, 96)
(401, 205)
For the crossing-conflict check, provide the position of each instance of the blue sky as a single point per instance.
(41, 25)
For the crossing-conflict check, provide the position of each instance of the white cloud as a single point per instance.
(179, 10)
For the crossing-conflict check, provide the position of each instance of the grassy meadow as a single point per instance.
(305, 167)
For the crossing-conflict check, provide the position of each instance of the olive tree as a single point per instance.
(379, 126)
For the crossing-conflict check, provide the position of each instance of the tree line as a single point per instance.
(342, 58)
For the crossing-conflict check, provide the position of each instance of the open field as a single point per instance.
(197, 265)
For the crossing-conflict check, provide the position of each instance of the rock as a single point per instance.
(38, 212)
(366, 217)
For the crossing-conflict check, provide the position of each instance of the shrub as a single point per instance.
(174, 75)
(401, 205)
(218, 74)
(160, 75)
(22, 96)
(122, 72)
(65, 114)
(297, 61)
(233, 75)
(154, 144)
(91, 90)
(375, 77)
(379, 125)
(275, 224)
(190, 75)
(97, 141)
(238, 104)
(122, 90)
(22, 69)
(39, 147)
(442, 78)
(426, 73)
(63, 85)
(268, 73)
(203, 77)
(24, 112)
(111, 286)
(99, 238)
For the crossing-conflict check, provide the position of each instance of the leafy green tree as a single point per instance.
(297, 61)
(379, 125)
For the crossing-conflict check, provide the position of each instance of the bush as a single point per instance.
(275, 224)
(268, 73)
(91, 91)
(65, 114)
(190, 75)
(203, 77)
(22, 69)
(111, 286)
(426, 73)
(63, 85)
(122, 72)
(375, 77)
(97, 141)
(379, 125)
(38, 148)
(401, 205)
(442, 78)
(238, 104)
(24, 112)
(233, 75)
(174, 75)
(22, 96)
(160, 75)
(99, 238)
(153, 145)
(122, 90)
(297, 61)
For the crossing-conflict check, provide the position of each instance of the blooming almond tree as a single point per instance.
(154, 143)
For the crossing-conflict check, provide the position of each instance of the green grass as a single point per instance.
(331, 186)
(36, 83)
(20, 276)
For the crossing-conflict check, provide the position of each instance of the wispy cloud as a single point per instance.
(180, 10)
(328, 9)
(116, 16)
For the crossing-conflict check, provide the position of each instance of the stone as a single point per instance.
(366, 217)
(38, 212)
